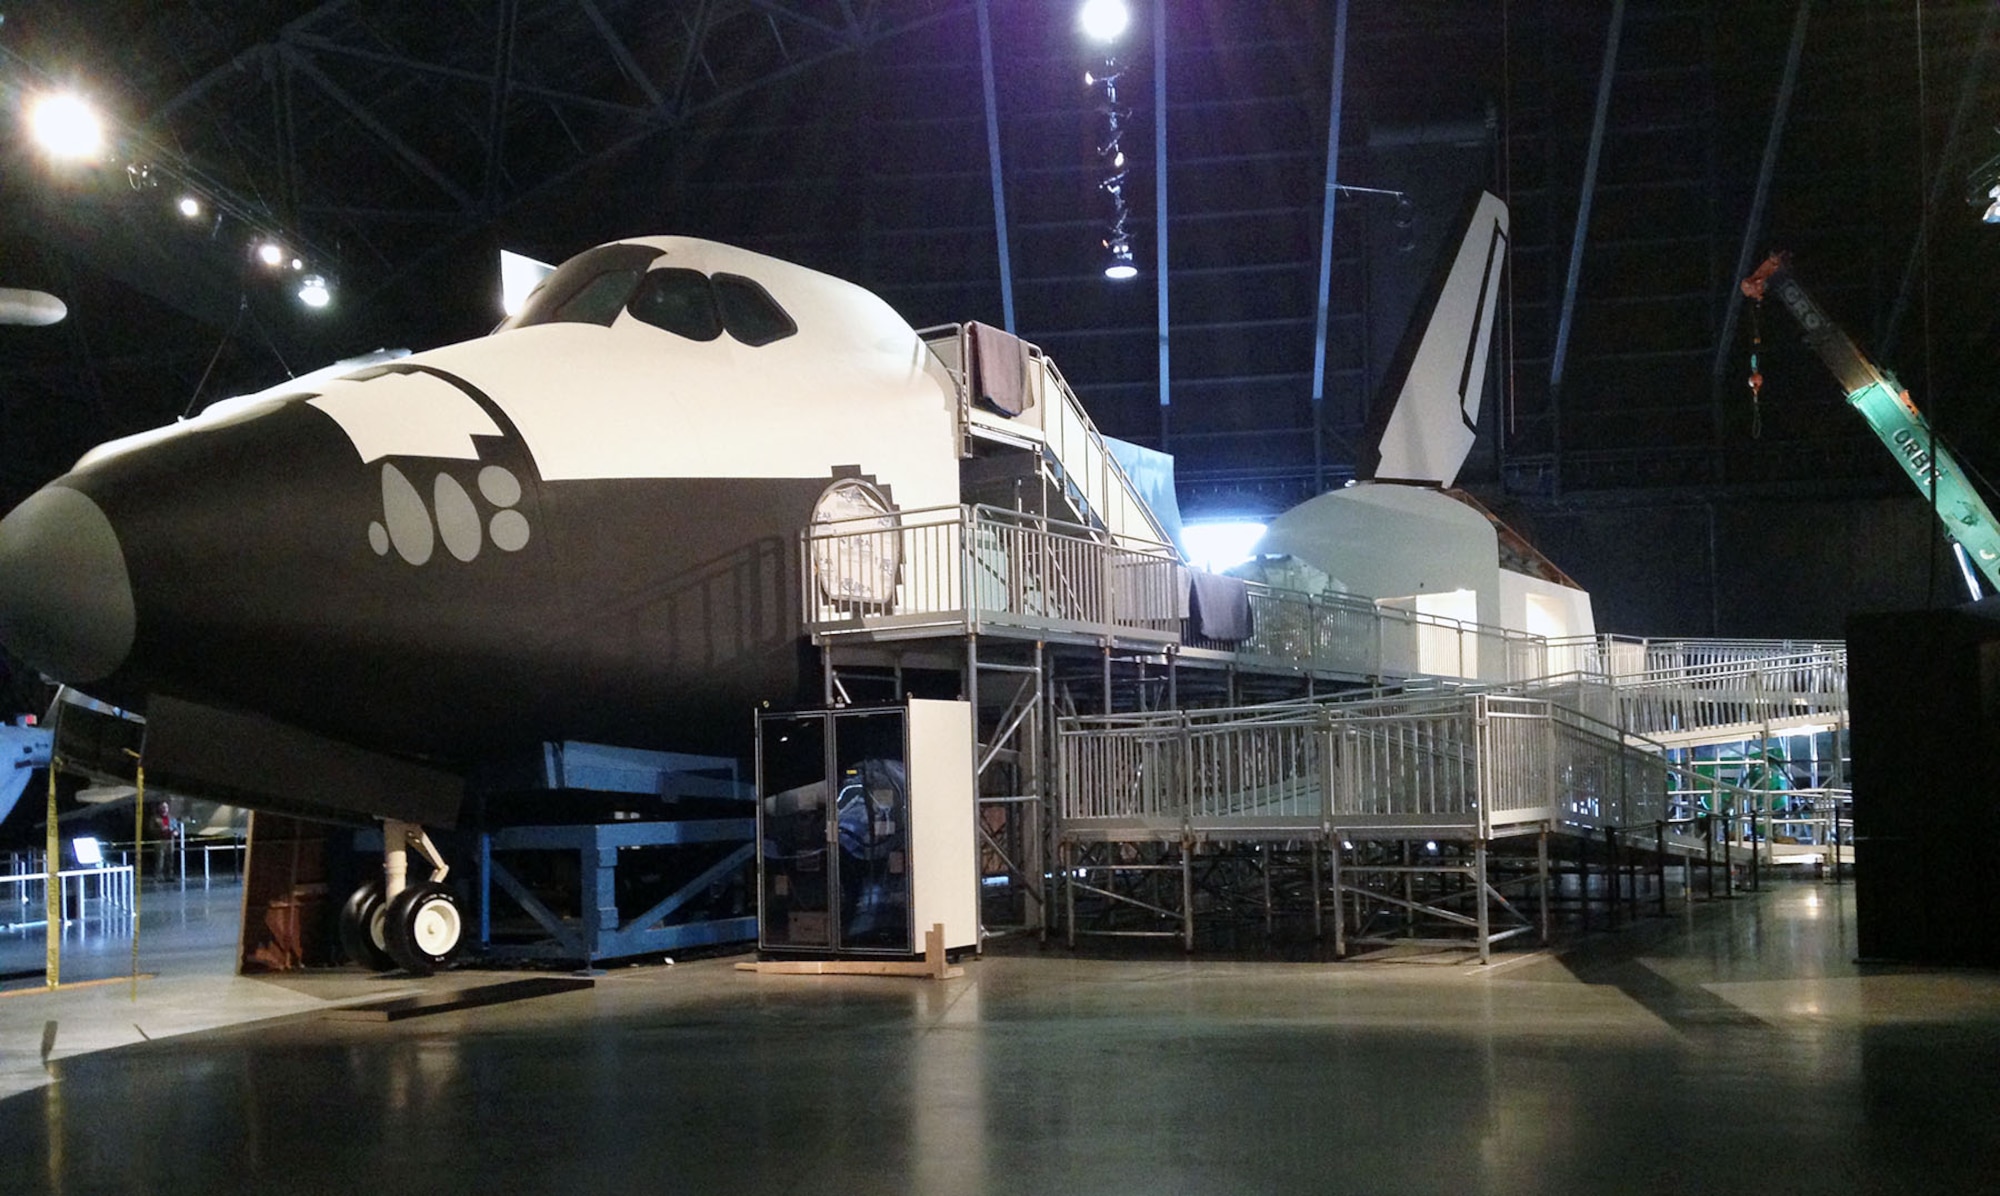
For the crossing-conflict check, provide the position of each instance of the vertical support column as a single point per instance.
(1264, 854)
(1607, 70)
(1160, 212)
(1066, 857)
(1542, 876)
(1324, 310)
(1187, 893)
(1729, 853)
(601, 913)
(1611, 887)
(1339, 899)
(1319, 917)
(993, 165)
(486, 888)
(1660, 862)
(1479, 883)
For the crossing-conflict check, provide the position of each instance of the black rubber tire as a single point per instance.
(424, 928)
(356, 942)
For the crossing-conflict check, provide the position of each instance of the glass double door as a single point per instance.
(833, 822)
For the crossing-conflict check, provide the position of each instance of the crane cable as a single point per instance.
(1756, 378)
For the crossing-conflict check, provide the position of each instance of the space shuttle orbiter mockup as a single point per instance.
(337, 596)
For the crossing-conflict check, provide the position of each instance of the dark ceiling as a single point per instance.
(398, 146)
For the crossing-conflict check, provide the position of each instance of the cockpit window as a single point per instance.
(590, 288)
(600, 300)
(749, 312)
(678, 300)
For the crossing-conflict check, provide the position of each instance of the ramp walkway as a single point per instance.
(1353, 783)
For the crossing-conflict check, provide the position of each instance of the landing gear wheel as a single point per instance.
(423, 928)
(361, 928)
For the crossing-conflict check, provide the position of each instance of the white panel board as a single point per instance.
(944, 854)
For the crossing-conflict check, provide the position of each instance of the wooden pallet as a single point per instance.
(931, 966)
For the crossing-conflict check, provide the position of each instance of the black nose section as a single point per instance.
(65, 596)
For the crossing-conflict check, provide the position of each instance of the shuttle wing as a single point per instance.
(1434, 416)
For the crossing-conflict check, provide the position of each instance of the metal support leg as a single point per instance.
(1066, 856)
(1756, 856)
(1611, 877)
(1339, 901)
(1264, 851)
(1542, 879)
(1729, 853)
(1660, 863)
(1187, 894)
(1479, 883)
(1319, 917)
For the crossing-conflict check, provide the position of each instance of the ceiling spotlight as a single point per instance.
(66, 126)
(1121, 267)
(298, 264)
(269, 253)
(313, 291)
(189, 206)
(1103, 20)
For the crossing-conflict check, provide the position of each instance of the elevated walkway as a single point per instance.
(1356, 783)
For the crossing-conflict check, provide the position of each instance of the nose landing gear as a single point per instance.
(389, 922)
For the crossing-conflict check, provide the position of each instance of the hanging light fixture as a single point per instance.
(313, 291)
(1105, 25)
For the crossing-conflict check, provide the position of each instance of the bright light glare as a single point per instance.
(67, 126)
(190, 206)
(1216, 546)
(269, 253)
(519, 276)
(1120, 271)
(1104, 20)
(313, 291)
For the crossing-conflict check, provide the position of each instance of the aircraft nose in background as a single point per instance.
(65, 597)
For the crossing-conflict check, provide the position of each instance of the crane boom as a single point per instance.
(1875, 393)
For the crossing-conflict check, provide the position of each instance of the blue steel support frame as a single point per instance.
(598, 933)
(993, 166)
(1327, 249)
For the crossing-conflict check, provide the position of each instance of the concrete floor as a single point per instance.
(1734, 1048)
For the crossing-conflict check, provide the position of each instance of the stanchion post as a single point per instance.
(1660, 861)
(138, 854)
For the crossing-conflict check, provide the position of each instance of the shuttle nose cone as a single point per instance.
(65, 597)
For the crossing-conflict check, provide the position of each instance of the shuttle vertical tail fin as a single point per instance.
(1427, 429)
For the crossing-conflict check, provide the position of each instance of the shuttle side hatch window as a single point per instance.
(680, 301)
(590, 288)
(749, 312)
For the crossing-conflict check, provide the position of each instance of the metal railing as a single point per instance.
(1472, 765)
(1687, 690)
(965, 568)
(972, 568)
(109, 886)
(1082, 461)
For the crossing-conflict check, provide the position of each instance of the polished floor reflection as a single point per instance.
(1731, 1048)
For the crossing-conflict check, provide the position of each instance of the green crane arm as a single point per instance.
(1886, 406)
